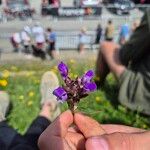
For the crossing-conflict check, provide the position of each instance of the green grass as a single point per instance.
(23, 87)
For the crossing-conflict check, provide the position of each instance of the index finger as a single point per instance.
(111, 128)
(88, 126)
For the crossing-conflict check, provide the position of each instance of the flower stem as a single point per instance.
(72, 106)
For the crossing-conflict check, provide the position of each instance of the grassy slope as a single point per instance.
(23, 87)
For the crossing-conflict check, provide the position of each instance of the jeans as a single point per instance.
(11, 140)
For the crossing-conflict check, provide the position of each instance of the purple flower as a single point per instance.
(74, 89)
(63, 70)
(61, 94)
(87, 77)
(89, 87)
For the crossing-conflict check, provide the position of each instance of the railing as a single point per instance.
(70, 40)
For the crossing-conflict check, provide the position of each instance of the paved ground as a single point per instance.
(64, 54)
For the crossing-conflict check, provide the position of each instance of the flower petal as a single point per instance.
(88, 76)
(89, 87)
(63, 70)
(61, 94)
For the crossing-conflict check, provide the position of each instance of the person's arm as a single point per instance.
(87, 133)
(139, 43)
(60, 135)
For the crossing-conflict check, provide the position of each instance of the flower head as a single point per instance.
(3, 82)
(74, 89)
(87, 77)
(89, 87)
(61, 94)
(63, 69)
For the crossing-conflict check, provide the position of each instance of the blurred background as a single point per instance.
(37, 34)
(67, 17)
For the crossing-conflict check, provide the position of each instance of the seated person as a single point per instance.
(9, 138)
(131, 65)
(68, 131)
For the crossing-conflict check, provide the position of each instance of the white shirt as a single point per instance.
(16, 37)
(38, 33)
(25, 38)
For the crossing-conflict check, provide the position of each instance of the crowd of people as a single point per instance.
(107, 34)
(40, 42)
(34, 40)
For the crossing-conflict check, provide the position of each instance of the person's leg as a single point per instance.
(49, 111)
(38, 125)
(42, 54)
(34, 49)
(108, 58)
(81, 48)
(7, 134)
(53, 50)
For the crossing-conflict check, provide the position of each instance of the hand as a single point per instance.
(89, 134)
(61, 136)
(111, 137)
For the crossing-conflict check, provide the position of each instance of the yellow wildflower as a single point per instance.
(97, 99)
(3, 82)
(21, 97)
(14, 68)
(36, 81)
(29, 73)
(144, 126)
(72, 61)
(31, 94)
(53, 70)
(55, 67)
(5, 74)
(30, 103)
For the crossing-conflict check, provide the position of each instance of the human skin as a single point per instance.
(108, 60)
(79, 132)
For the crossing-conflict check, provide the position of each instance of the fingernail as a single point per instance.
(99, 144)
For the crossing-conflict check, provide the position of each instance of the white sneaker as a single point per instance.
(4, 105)
(49, 83)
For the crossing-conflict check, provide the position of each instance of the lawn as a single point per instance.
(22, 81)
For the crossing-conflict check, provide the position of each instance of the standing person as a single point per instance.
(124, 34)
(109, 31)
(51, 39)
(82, 40)
(25, 37)
(98, 34)
(39, 37)
(15, 40)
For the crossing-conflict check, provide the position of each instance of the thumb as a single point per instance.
(120, 141)
(53, 136)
